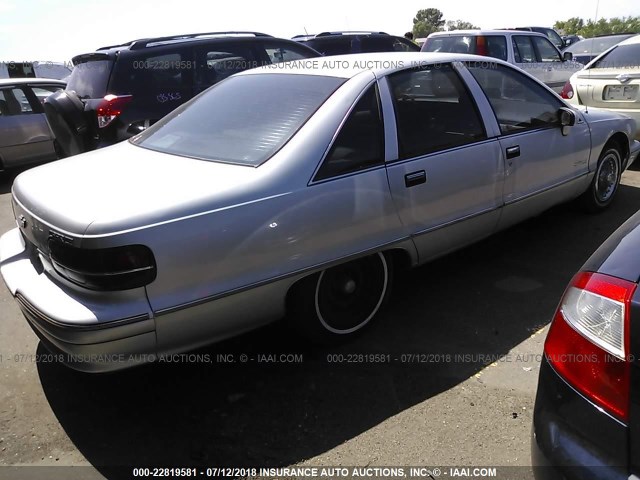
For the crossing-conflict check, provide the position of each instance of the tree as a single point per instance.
(460, 25)
(603, 26)
(569, 27)
(427, 21)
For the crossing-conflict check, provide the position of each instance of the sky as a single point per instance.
(54, 30)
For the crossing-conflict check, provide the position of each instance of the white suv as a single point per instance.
(531, 51)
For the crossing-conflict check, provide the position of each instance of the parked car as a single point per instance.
(25, 136)
(585, 416)
(54, 70)
(610, 81)
(586, 50)
(550, 33)
(530, 51)
(119, 90)
(293, 191)
(342, 43)
(570, 40)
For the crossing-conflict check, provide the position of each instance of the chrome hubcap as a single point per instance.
(607, 178)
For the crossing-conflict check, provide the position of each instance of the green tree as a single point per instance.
(427, 21)
(569, 27)
(460, 25)
(601, 27)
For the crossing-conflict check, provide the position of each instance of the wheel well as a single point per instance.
(620, 140)
(401, 258)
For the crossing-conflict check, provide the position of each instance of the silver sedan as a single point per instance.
(293, 191)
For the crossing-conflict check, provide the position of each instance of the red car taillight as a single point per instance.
(110, 107)
(588, 342)
(567, 91)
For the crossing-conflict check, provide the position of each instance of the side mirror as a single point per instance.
(567, 56)
(567, 119)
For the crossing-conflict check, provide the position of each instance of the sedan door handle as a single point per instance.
(415, 178)
(513, 152)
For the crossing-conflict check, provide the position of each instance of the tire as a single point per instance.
(337, 304)
(65, 114)
(603, 187)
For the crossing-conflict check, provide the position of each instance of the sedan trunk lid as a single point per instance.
(123, 187)
(609, 88)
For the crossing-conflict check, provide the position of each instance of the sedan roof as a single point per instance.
(380, 64)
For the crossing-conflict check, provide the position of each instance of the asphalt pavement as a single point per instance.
(446, 377)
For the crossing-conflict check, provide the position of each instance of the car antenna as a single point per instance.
(595, 20)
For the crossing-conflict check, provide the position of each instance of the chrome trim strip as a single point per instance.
(302, 271)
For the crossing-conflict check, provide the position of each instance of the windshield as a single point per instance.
(595, 46)
(551, 35)
(245, 119)
(623, 56)
(89, 79)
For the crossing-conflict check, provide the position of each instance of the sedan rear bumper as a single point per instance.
(90, 331)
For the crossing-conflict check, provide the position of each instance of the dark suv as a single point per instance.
(119, 90)
(341, 43)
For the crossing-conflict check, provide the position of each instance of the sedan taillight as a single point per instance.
(118, 268)
(588, 342)
(567, 91)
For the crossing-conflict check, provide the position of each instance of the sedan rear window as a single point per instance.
(244, 120)
(623, 56)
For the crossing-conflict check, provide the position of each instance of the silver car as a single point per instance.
(293, 191)
(25, 136)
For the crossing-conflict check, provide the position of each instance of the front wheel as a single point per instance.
(604, 185)
(339, 302)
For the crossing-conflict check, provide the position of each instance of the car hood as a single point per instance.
(594, 115)
(126, 187)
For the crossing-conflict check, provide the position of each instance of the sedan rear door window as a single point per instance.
(13, 101)
(360, 143)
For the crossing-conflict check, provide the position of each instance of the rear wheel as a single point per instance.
(606, 180)
(339, 302)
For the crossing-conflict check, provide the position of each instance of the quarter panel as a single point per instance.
(248, 244)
